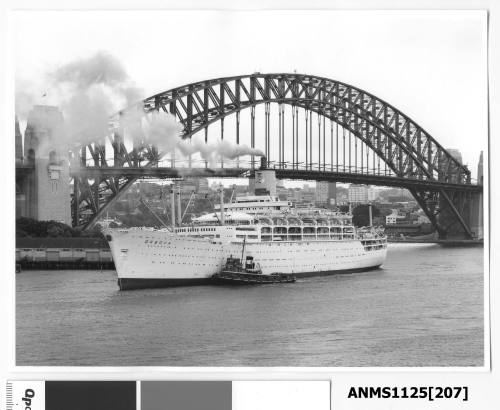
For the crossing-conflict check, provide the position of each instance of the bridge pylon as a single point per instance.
(42, 173)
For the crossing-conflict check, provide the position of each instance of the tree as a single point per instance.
(361, 217)
(41, 229)
(55, 231)
(344, 208)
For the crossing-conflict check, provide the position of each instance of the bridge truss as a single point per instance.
(308, 127)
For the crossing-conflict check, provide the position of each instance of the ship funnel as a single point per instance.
(263, 162)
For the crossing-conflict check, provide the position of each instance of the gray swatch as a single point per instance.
(186, 395)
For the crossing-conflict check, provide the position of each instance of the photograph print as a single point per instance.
(256, 188)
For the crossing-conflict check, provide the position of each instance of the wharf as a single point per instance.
(63, 253)
(444, 242)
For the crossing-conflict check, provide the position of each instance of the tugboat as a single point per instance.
(234, 273)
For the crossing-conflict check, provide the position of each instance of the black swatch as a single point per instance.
(90, 395)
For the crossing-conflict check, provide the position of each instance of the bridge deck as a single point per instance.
(298, 174)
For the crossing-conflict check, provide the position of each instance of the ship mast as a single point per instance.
(172, 206)
(232, 193)
(179, 210)
(150, 210)
(243, 248)
(187, 206)
(221, 204)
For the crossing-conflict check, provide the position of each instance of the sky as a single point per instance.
(429, 65)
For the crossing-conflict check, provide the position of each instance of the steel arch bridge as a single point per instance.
(308, 127)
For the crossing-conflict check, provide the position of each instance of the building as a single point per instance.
(357, 194)
(61, 252)
(307, 196)
(394, 217)
(188, 186)
(402, 230)
(342, 198)
(321, 193)
(19, 143)
(372, 194)
(281, 191)
(42, 177)
(455, 153)
(325, 193)
(361, 194)
(398, 217)
(203, 187)
(399, 195)
(294, 195)
(332, 194)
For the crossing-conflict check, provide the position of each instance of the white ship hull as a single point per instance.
(148, 258)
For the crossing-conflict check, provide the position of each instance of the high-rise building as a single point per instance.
(321, 193)
(326, 193)
(332, 194)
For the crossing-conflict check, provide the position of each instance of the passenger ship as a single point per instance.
(281, 238)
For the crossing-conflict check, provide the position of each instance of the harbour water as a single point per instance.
(425, 307)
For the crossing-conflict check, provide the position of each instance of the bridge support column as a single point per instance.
(456, 214)
(476, 217)
(461, 215)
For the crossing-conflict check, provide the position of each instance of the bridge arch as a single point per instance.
(410, 152)
(399, 141)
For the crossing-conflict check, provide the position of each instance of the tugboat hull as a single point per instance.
(244, 278)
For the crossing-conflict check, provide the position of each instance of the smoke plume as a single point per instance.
(101, 68)
(162, 131)
(88, 91)
(212, 152)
